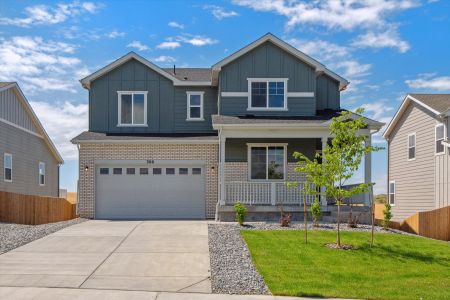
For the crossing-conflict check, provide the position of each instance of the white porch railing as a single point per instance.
(264, 193)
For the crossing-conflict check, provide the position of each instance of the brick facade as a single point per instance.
(89, 153)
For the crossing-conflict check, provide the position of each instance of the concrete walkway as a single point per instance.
(15, 293)
(168, 256)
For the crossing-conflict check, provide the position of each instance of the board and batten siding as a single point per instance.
(267, 61)
(327, 93)
(414, 179)
(27, 151)
(166, 104)
(13, 111)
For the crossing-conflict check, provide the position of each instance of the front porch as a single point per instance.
(256, 162)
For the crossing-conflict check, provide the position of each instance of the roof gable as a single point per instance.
(29, 110)
(319, 67)
(437, 104)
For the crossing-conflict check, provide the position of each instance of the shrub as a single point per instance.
(387, 216)
(316, 211)
(241, 212)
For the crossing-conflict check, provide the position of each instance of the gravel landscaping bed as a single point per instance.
(16, 235)
(232, 269)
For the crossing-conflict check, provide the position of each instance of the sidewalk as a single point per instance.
(25, 293)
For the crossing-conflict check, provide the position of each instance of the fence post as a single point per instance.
(273, 193)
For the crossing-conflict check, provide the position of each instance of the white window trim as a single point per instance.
(408, 147)
(189, 94)
(267, 108)
(39, 172)
(4, 167)
(394, 193)
(435, 139)
(249, 160)
(119, 110)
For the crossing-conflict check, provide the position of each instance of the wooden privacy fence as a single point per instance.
(34, 210)
(433, 224)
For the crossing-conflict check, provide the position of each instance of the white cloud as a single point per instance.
(174, 24)
(320, 49)
(219, 12)
(138, 45)
(387, 39)
(381, 112)
(62, 121)
(347, 15)
(47, 15)
(115, 34)
(430, 82)
(196, 40)
(352, 68)
(164, 59)
(168, 45)
(38, 64)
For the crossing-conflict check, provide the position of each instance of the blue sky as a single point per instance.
(385, 48)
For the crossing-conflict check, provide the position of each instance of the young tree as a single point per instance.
(341, 159)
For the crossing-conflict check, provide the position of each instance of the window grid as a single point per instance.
(267, 94)
(193, 107)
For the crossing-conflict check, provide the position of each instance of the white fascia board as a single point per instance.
(401, 110)
(174, 141)
(86, 81)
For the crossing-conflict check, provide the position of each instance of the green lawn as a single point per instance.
(398, 267)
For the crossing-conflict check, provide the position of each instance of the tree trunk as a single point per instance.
(338, 241)
(305, 216)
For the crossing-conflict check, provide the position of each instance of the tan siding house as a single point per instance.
(418, 161)
(29, 161)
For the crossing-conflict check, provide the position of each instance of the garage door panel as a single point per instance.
(149, 196)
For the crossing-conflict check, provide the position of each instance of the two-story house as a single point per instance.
(190, 142)
(418, 162)
(29, 160)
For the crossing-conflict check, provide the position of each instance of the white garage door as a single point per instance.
(143, 192)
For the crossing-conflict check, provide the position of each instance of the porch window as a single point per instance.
(439, 137)
(195, 106)
(132, 109)
(267, 94)
(267, 162)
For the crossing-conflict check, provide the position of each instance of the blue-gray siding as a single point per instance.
(27, 151)
(236, 150)
(166, 104)
(267, 61)
(327, 93)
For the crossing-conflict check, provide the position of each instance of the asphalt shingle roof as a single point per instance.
(2, 84)
(191, 74)
(439, 102)
(99, 136)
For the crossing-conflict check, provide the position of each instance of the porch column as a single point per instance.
(368, 171)
(323, 198)
(222, 170)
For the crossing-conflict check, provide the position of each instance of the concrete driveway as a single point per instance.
(170, 256)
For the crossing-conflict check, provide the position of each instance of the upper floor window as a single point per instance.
(132, 108)
(267, 162)
(41, 173)
(391, 192)
(411, 146)
(195, 106)
(267, 94)
(7, 167)
(439, 137)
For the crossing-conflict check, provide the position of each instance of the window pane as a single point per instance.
(439, 147)
(104, 171)
(125, 117)
(196, 171)
(143, 171)
(439, 132)
(8, 161)
(138, 109)
(131, 171)
(392, 187)
(411, 153)
(183, 171)
(170, 171)
(276, 94)
(8, 174)
(391, 199)
(258, 163)
(42, 179)
(259, 94)
(117, 171)
(194, 99)
(195, 112)
(411, 140)
(276, 163)
(157, 171)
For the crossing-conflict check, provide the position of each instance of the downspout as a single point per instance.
(58, 183)
(219, 172)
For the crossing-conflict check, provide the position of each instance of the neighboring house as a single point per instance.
(418, 164)
(29, 160)
(190, 142)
